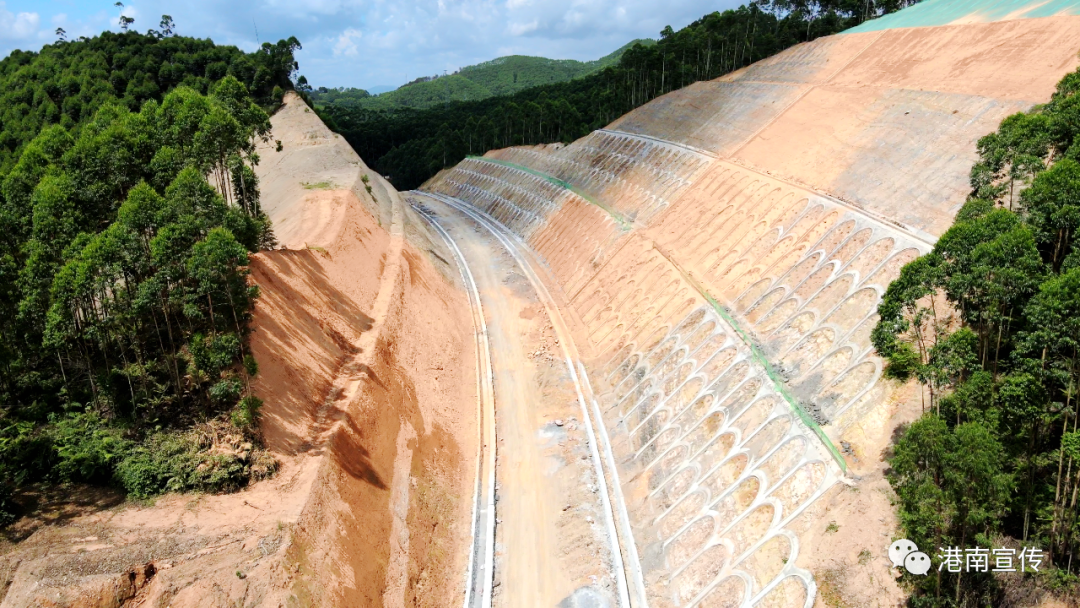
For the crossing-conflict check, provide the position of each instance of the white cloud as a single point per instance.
(346, 43)
(14, 27)
(313, 8)
(520, 29)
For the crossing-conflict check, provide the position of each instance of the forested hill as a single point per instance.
(128, 206)
(66, 82)
(501, 76)
(508, 75)
(411, 145)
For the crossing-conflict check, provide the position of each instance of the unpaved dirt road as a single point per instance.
(552, 544)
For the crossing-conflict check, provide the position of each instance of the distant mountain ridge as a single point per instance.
(500, 76)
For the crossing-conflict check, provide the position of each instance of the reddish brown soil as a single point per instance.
(365, 352)
(408, 383)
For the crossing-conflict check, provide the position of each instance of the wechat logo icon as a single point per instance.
(904, 553)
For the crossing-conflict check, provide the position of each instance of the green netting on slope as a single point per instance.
(615, 215)
(755, 351)
(930, 13)
(759, 357)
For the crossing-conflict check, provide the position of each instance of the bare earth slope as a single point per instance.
(364, 349)
(720, 254)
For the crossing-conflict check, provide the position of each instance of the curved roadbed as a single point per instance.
(478, 576)
(489, 259)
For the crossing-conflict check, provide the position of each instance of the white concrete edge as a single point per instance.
(565, 339)
(485, 484)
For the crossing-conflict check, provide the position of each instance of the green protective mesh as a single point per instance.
(929, 13)
(758, 356)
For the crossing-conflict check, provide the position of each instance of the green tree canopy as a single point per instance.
(128, 207)
(989, 323)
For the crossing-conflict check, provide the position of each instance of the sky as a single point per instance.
(371, 43)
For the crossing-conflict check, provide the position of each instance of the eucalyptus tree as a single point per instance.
(124, 300)
(1004, 375)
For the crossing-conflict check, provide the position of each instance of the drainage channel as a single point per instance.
(480, 570)
(627, 570)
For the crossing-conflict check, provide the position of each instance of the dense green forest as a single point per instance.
(508, 75)
(68, 81)
(411, 145)
(128, 207)
(343, 96)
(502, 76)
(989, 324)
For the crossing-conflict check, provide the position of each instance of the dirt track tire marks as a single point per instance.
(620, 539)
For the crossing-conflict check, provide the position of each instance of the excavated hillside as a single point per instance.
(366, 359)
(716, 259)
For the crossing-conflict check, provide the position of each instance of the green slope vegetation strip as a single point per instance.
(932, 13)
(755, 351)
(124, 294)
(758, 356)
(619, 218)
